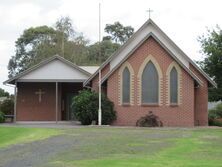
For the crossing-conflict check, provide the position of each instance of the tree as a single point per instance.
(64, 32)
(39, 43)
(3, 93)
(2, 117)
(106, 47)
(31, 47)
(118, 33)
(7, 106)
(211, 44)
(215, 116)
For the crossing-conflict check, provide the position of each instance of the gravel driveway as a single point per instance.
(84, 143)
(35, 153)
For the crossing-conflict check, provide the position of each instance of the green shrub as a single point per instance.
(216, 123)
(86, 108)
(2, 117)
(149, 120)
(7, 106)
(219, 110)
(215, 115)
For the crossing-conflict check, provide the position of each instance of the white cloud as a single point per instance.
(183, 21)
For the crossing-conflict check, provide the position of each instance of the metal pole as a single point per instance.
(100, 110)
(56, 102)
(15, 101)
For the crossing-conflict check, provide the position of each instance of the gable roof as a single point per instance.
(90, 69)
(175, 58)
(43, 63)
(149, 28)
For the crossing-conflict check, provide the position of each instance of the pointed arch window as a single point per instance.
(173, 86)
(126, 86)
(174, 81)
(150, 84)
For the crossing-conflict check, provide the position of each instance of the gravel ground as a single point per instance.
(59, 125)
(83, 142)
(35, 153)
(39, 153)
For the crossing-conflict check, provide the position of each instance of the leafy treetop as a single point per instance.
(39, 43)
(211, 44)
(3, 93)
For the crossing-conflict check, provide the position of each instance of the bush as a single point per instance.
(216, 122)
(7, 107)
(215, 116)
(2, 117)
(86, 108)
(149, 120)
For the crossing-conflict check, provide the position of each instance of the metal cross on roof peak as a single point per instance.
(149, 11)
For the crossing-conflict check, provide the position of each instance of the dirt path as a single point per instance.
(35, 153)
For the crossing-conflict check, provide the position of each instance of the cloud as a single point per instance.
(183, 21)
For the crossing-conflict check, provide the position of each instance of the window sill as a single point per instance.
(150, 105)
(126, 104)
(174, 105)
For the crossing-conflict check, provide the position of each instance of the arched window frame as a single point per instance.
(178, 69)
(120, 87)
(160, 77)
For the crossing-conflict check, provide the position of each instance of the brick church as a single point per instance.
(148, 73)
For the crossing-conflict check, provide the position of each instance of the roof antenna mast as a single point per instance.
(100, 108)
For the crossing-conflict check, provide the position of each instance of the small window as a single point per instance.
(173, 86)
(126, 86)
(150, 84)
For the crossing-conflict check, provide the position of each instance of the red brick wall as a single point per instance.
(28, 106)
(182, 115)
(95, 80)
(201, 100)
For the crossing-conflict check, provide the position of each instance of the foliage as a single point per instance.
(118, 33)
(211, 45)
(86, 108)
(149, 120)
(64, 26)
(64, 31)
(215, 116)
(31, 47)
(39, 43)
(105, 48)
(3, 93)
(215, 123)
(2, 117)
(7, 106)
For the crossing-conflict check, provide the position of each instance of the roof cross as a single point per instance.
(149, 11)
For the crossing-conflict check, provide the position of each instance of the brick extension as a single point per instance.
(29, 108)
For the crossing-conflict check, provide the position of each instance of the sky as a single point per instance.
(183, 21)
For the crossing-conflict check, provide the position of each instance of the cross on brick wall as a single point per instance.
(40, 93)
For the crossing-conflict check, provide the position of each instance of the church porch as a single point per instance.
(45, 101)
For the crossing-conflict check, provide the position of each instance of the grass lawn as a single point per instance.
(125, 147)
(131, 147)
(14, 135)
